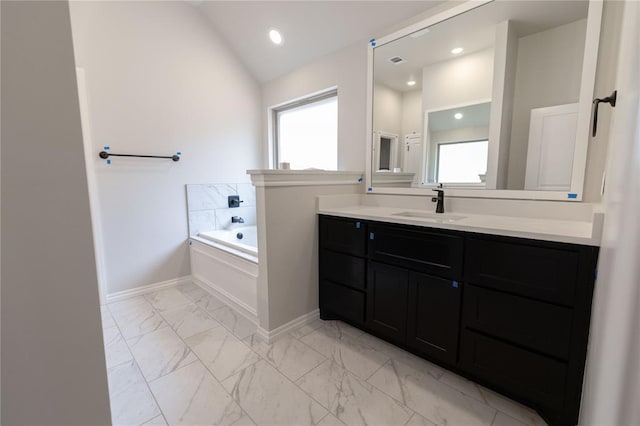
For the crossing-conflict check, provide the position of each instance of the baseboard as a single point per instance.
(139, 291)
(233, 302)
(269, 336)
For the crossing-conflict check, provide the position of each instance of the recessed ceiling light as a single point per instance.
(411, 83)
(457, 50)
(458, 115)
(275, 36)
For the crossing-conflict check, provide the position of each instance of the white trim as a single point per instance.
(431, 20)
(261, 178)
(92, 185)
(233, 302)
(139, 291)
(270, 336)
(587, 86)
(480, 193)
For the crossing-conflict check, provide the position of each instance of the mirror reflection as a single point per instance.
(486, 99)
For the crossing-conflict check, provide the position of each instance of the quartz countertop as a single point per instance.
(564, 231)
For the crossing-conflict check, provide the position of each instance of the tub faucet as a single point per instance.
(237, 219)
(439, 199)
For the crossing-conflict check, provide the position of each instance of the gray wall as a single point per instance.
(548, 73)
(159, 80)
(288, 250)
(53, 367)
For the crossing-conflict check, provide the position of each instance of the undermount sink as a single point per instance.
(440, 217)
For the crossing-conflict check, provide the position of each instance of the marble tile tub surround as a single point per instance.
(208, 205)
(569, 222)
(195, 367)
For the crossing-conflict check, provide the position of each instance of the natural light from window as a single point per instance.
(462, 162)
(308, 135)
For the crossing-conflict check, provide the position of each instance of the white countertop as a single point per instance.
(564, 231)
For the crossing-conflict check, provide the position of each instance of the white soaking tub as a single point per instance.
(226, 262)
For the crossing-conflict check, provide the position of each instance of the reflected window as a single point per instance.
(462, 162)
(306, 133)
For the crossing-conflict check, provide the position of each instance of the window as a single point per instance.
(462, 162)
(306, 132)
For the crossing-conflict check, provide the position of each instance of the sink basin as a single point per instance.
(438, 217)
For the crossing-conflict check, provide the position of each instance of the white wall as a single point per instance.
(387, 110)
(53, 365)
(612, 383)
(346, 69)
(411, 113)
(459, 81)
(288, 267)
(548, 73)
(160, 80)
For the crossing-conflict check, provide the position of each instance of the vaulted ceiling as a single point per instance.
(311, 29)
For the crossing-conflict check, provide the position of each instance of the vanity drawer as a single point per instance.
(343, 235)
(541, 272)
(533, 377)
(343, 269)
(342, 301)
(537, 325)
(423, 251)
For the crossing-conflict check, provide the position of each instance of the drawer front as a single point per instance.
(423, 251)
(343, 269)
(537, 325)
(342, 301)
(539, 272)
(343, 235)
(530, 376)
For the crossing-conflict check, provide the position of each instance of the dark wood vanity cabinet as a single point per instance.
(512, 314)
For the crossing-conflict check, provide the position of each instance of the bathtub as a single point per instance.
(244, 239)
(225, 262)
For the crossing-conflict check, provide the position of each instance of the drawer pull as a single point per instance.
(357, 225)
(371, 236)
(454, 284)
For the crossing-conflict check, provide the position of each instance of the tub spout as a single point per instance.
(237, 219)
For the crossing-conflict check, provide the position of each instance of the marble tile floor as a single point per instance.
(180, 356)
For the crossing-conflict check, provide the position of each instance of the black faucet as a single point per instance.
(439, 199)
(237, 219)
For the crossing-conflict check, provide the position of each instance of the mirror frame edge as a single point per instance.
(587, 87)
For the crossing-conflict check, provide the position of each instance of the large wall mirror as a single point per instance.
(490, 99)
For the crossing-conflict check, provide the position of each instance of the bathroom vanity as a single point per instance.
(511, 313)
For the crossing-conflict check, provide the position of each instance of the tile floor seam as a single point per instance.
(363, 342)
(198, 359)
(329, 411)
(378, 369)
(493, 420)
(486, 403)
(133, 358)
(310, 348)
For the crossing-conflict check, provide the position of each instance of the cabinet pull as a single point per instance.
(371, 236)
(357, 225)
(454, 284)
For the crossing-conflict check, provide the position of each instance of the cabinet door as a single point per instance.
(434, 316)
(342, 235)
(387, 288)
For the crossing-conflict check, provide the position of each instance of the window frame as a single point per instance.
(299, 102)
